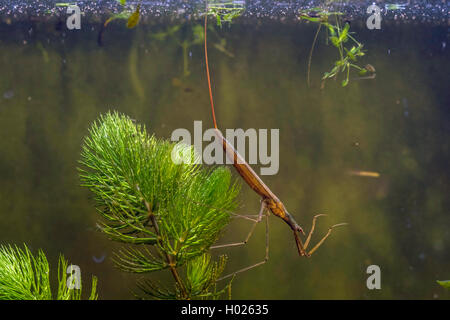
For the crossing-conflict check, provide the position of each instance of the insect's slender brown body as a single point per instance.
(269, 200)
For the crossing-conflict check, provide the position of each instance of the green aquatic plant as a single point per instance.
(395, 6)
(444, 283)
(132, 16)
(123, 15)
(187, 36)
(192, 36)
(27, 277)
(64, 4)
(201, 275)
(340, 37)
(167, 214)
(224, 11)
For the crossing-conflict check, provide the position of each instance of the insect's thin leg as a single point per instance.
(251, 217)
(325, 237)
(261, 211)
(266, 258)
(312, 230)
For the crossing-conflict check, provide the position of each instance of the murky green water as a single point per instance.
(54, 83)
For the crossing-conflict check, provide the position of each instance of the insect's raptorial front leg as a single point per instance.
(255, 222)
(323, 239)
(312, 229)
(266, 258)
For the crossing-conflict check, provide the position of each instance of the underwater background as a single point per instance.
(55, 82)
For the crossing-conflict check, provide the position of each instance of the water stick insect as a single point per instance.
(269, 201)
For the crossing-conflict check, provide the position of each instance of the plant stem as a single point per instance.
(355, 66)
(185, 46)
(169, 259)
(311, 52)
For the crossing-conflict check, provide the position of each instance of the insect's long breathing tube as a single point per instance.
(207, 69)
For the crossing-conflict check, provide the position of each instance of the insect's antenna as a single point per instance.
(207, 69)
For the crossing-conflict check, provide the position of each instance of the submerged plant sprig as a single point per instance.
(24, 276)
(224, 12)
(132, 16)
(187, 36)
(339, 37)
(200, 279)
(171, 212)
(444, 283)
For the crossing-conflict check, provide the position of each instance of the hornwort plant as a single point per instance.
(167, 214)
(24, 276)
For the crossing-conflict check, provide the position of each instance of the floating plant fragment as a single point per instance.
(124, 15)
(370, 174)
(395, 6)
(65, 4)
(444, 283)
(133, 20)
(225, 11)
